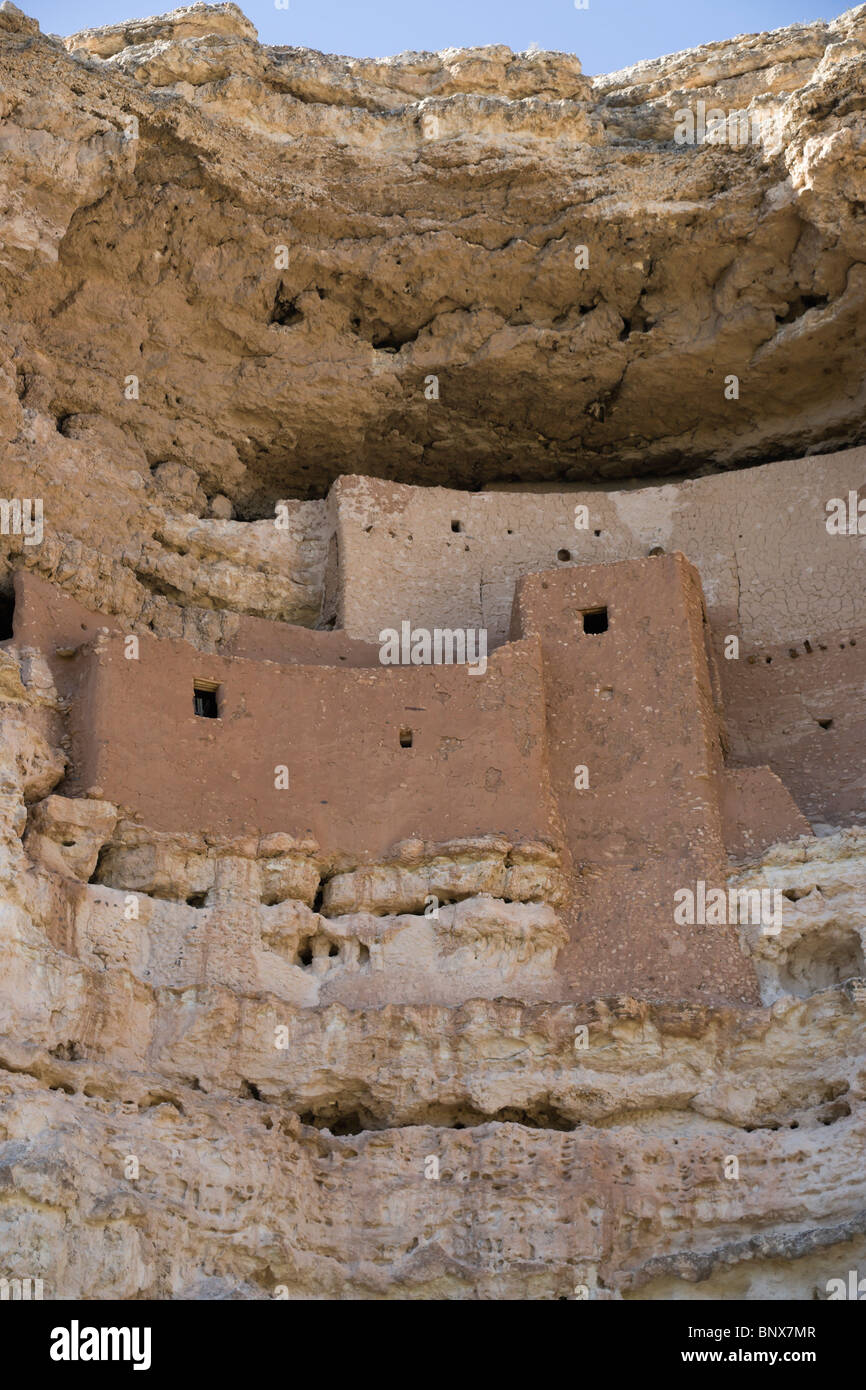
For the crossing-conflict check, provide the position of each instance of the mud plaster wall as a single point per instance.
(757, 537)
(771, 572)
(476, 763)
(634, 705)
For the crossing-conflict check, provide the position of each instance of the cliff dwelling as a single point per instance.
(432, 719)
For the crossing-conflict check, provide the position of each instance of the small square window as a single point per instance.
(204, 699)
(456, 526)
(595, 621)
(405, 738)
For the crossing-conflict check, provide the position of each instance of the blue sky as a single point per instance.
(608, 35)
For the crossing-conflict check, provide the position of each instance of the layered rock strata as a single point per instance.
(297, 349)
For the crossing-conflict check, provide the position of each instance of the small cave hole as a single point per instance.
(825, 723)
(595, 621)
(456, 526)
(563, 555)
(305, 954)
(285, 311)
(405, 738)
(333, 950)
(249, 1091)
(801, 305)
(196, 900)
(363, 954)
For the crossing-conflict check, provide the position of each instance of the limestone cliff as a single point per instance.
(295, 348)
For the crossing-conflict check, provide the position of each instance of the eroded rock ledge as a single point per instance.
(430, 207)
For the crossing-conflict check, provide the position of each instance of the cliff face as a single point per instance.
(430, 1032)
(430, 208)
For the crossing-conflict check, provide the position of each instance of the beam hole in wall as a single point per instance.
(595, 621)
(563, 555)
(825, 723)
(456, 526)
(405, 738)
(204, 698)
(196, 900)
(7, 612)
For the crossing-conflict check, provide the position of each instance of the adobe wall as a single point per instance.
(800, 707)
(746, 532)
(476, 765)
(47, 618)
(634, 705)
(491, 754)
(771, 574)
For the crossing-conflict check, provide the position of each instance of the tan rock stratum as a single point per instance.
(332, 966)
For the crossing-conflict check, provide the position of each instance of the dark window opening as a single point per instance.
(196, 900)
(7, 610)
(826, 723)
(563, 555)
(456, 526)
(205, 699)
(405, 738)
(595, 621)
